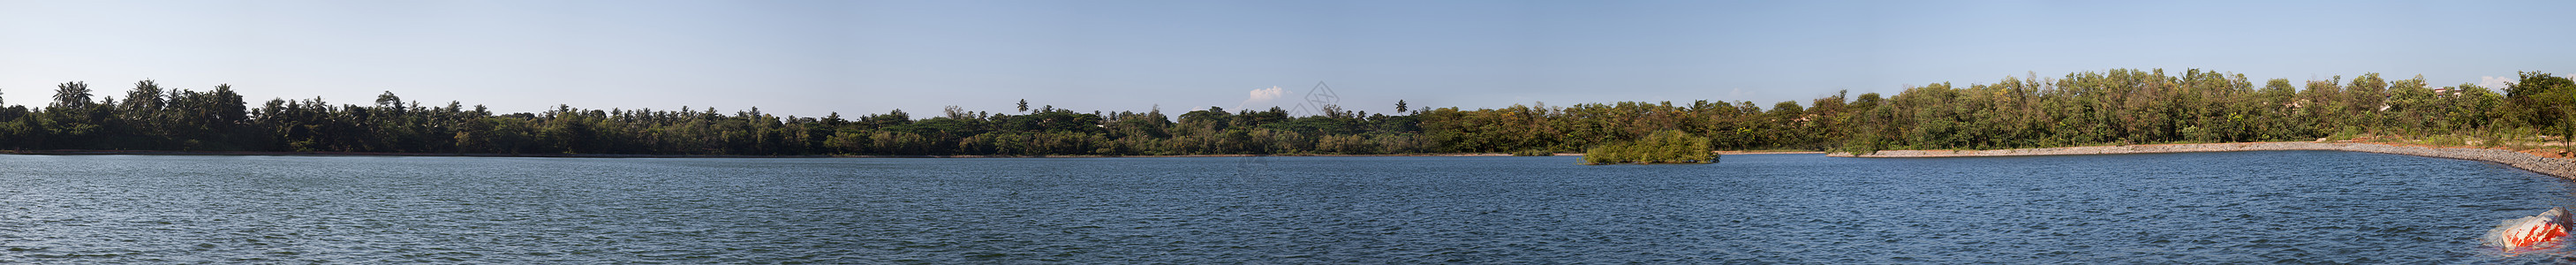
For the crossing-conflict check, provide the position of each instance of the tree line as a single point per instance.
(2120, 106)
(150, 117)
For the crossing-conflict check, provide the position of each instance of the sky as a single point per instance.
(812, 58)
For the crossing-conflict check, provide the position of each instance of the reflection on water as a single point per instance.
(2244, 207)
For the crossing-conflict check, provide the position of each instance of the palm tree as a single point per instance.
(70, 95)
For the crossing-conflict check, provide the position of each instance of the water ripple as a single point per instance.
(2242, 207)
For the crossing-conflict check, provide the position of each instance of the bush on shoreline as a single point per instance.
(1666, 146)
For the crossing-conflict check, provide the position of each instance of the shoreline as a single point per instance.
(2559, 167)
(273, 153)
(1767, 153)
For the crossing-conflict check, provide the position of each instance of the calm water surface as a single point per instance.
(2242, 207)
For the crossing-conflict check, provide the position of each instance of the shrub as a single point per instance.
(2445, 140)
(2345, 135)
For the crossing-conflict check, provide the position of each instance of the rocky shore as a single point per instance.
(2563, 168)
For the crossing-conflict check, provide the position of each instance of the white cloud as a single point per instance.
(2495, 82)
(1261, 95)
(1266, 94)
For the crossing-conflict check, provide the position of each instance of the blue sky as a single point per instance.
(809, 58)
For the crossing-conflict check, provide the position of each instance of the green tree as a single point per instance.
(2539, 99)
(70, 95)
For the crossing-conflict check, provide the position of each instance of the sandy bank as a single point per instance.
(2563, 168)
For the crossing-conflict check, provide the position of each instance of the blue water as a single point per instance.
(2241, 207)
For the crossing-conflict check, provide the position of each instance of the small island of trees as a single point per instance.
(1662, 147)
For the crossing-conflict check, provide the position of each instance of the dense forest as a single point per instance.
(2120, 106)
(151, 117)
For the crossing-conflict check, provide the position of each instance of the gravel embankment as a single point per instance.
(2563, 168)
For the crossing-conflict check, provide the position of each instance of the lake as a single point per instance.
(2238, 207)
